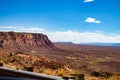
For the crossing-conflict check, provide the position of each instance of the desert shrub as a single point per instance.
(78, 76)
(101, 74)
(1, 64)
(12, 60)
(95, 73)
(48, 71)
(29, 69)
(114, 77)
(83, 67)
(42, 69)
(60, 72)
(106, 74)
(12, 54)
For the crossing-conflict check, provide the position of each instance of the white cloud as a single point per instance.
(10, 27)
(92, 20)
(78, 37)
(71, 36)
(88, 0)
(22, 29)
(31, 29)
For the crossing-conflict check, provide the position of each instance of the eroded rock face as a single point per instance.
(24, 41)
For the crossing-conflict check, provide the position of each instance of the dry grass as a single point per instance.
(79, 58)
(61, 72)
(49, 71)
(114, 78)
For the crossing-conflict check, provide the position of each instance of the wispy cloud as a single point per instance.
(92, 20)
(22, 29)
(31, 29)
(88, 0)
(8, 27)
(78, 37)
(71, 36)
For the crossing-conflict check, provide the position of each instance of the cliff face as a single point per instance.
(24, 41)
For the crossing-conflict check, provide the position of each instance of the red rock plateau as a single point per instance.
(15, 41)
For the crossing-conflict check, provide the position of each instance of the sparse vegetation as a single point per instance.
(61, 72)
(42, 69)
(49, 71)
(90, 61)
(101, 74)
(114, 77)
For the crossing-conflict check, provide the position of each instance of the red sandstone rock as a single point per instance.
(24, 41)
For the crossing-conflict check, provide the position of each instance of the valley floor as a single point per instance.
(96, 62)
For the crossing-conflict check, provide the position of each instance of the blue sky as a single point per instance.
(63, 20)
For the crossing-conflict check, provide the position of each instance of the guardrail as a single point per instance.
(25, 74)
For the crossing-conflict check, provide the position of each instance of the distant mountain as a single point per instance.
(104, 44)
(65, 42)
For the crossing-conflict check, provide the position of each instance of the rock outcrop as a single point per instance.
(25, 41)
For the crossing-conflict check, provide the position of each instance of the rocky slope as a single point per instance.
(24, 41)
(39, 63)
